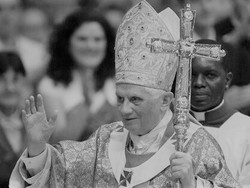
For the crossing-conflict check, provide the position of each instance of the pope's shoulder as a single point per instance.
(102, 133)
(112, 126)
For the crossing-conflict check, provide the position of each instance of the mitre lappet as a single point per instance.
(135, 61)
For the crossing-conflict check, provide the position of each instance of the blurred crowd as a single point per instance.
(65, 51)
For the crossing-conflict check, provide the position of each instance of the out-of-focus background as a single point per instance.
(67, 50)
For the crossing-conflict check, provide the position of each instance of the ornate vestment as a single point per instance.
(100, 162)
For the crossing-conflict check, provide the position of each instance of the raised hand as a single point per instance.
(182, 169)
(38, 128)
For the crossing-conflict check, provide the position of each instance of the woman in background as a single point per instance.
(12, 133)
(79, 81)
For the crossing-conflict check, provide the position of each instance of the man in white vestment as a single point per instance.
(140, 150)
(230, 128)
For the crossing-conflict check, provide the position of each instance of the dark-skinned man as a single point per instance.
(210, 79)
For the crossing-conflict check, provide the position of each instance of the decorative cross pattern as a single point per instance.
(186, 48)
(125, 178)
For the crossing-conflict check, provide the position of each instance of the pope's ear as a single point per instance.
(229, 78)
(166, 100)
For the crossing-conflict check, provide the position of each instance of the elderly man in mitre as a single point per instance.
(140, 150)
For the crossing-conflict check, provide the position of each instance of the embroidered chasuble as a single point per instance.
(100, 162)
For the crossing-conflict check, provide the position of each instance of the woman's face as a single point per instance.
(88, 45)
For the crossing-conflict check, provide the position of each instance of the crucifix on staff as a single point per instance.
(185, 49)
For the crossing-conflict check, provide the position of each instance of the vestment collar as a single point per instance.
(150, 142)
(148, 169)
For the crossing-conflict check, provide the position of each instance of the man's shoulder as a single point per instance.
(199, 132)
(196, 133)
(194, 126)
(111, 126)
(103, 133)
(240, 120)
(241, 115)
(201, 137)
(105, 130)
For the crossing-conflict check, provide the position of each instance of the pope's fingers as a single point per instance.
(180, 162)
(185, 159)
(24, 118)
(27, 107)
(32, 104)
(178, 175)
(40, 106)
(177, 155)
(184, 167)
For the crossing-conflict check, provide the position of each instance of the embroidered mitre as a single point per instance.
(135, 63)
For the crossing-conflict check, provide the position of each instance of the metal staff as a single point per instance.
(183, 78)
(187, 50)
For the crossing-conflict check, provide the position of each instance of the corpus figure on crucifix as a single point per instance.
(140, 150)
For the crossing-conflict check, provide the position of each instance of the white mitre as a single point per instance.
(135, 63)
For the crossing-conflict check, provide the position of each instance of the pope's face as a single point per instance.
(139, 110)
(209, 81)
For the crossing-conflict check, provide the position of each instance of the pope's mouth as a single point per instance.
(129, 119)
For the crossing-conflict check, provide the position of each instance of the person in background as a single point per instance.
(210, 80)
(114, 13)
(35, 27)
(10, 14)
(208, 15)
(140, 150)
(79, 81)
(36, 23)
(32, 54)
(238, 94)
(12, 133)
(112, 10)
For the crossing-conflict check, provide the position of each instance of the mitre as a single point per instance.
(135, 62)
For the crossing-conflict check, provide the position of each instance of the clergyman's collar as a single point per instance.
(200, 116)
(216, 116)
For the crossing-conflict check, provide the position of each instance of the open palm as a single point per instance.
(38, 128)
